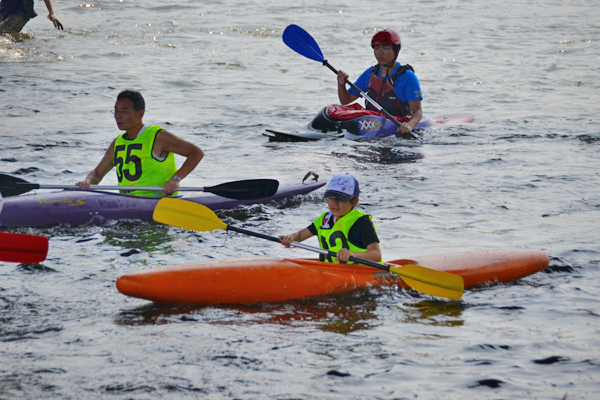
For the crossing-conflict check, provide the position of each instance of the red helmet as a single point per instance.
(386, 36)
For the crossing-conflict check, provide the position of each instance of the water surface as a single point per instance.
(523, 174)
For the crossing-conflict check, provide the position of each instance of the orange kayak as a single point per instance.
(266, 279)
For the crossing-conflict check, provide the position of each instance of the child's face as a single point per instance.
(340, 208)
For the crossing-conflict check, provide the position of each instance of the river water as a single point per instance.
(523, 175)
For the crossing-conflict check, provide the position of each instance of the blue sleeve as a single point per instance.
(408, 87)
(362, 82)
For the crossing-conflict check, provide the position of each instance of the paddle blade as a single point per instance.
(431, 281)
(13, 186)
(22, 248)
(250, 189)
(187, 214)
(302, 43)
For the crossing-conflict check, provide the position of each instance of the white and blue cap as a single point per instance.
(343, 187)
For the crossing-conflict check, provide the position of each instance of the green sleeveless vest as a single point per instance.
(336, 238)
(135, 165)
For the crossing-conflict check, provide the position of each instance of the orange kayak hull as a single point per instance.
(485, 266)
(267, 280)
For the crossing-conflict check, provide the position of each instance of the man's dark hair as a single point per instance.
(135, 97)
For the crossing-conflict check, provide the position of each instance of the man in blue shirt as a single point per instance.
(395, 87)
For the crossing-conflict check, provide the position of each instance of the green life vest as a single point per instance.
(334, 238)
(135, 165)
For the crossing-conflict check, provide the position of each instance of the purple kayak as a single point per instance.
(75, 207)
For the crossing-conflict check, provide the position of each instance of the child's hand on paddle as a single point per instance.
(286, 240)
(344, 255)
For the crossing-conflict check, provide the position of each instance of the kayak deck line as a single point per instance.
(269, 280)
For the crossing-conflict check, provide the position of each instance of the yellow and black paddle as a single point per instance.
(193, 216)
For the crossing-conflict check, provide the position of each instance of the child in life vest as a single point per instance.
(343, 229)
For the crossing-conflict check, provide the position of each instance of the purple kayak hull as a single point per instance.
(100, 208)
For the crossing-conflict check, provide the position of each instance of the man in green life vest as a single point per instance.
(143, 155)
(343, 229)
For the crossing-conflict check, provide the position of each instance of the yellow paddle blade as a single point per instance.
(431, 281)
(187, 214)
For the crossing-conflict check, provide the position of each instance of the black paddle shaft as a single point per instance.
(250, 189)
(310, 248)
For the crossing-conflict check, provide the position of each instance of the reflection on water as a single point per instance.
(148, 237)
(557, 265)
(157, 314)
(23, 319)
(433, 312)
(385, 155)
(16, 37)
(496, 181)
(144, 236)
(262, 212)
(589, 139)
(242, 213)
(340, 314)
(35, 268)
(351, 312)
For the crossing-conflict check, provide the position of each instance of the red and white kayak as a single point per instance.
(354, 122)
(266, 279)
